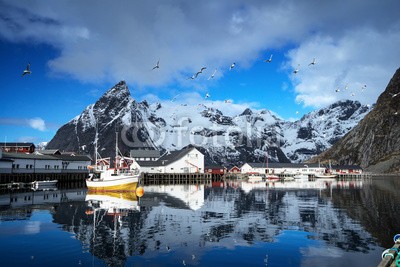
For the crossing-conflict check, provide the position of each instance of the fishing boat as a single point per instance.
(325, 175)
(255, 178)
(124, 176)
(273, 177)
(44, 183)
(301, 176)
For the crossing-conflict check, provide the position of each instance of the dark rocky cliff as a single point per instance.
(374, 143)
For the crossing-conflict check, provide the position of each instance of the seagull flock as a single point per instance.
(27, 71)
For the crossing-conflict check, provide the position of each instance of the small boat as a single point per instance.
(273, 177)
(301, 176)
(288, 178)
(124, 176)
(325, 175)
(255, 178)
(44, 183)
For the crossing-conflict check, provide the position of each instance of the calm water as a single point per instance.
(316, 223)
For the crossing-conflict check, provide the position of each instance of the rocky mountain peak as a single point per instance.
(226, 140)
(375, 142)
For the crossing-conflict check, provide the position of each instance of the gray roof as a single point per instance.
(275, 165)
(49, 151)
(145, 153)
(282, 165)
(167, 158)
(7, 155)
(16, 144)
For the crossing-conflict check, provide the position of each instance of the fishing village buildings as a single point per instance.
(20, 162)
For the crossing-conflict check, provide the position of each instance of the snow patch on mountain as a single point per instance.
(248, 135)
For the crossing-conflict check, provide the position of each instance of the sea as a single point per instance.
(325, 222)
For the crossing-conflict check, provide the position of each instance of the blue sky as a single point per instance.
(79, 49)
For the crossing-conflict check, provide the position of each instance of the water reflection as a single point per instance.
(204, 224)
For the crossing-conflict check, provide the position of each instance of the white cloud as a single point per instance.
(37, 123)
(344, 66)
(353, 41)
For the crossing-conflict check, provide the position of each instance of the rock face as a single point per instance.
(374, 143)
(225, 140)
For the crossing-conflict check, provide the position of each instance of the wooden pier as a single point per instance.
(7, 178)
(175, 178)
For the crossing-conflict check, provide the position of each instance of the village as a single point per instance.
(21, 162)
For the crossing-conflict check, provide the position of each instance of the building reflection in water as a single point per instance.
(182, 223)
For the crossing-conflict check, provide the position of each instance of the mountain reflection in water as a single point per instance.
(296, 223)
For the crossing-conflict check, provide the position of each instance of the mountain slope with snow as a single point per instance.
(229, 140)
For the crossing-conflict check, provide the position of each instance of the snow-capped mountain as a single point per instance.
(230, 140)
(320, 129)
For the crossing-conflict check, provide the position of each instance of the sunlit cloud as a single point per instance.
(37, 123)
(353, 42)
(34, 123)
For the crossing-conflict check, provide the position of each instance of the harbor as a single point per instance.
(199, 224)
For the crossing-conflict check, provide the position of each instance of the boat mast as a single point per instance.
(95, 146)
(116, 147)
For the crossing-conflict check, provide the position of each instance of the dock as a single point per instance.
(175, 178)
(11, 178)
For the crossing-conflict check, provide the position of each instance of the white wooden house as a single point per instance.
(38, 163)
(5, 164)
(281, 168)
(187, 160)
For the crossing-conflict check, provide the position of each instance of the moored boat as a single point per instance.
(255, 178)
(325, 175)
(301, 176)
(272, 177)
(124, 176)
(46, 184)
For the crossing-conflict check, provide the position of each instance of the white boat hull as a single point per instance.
(116, 183)
(323, 175)
(44, 183)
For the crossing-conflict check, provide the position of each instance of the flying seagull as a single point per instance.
(337, 90)
(297, 69)
(157, 66)
(27, 70)
(200, 71)
(228, 101)
(232, 66)
(207, 95)
(212, 75)
(173, 99)
(269, 60)
(312, 63)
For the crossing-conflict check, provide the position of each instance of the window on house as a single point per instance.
(27, 166)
